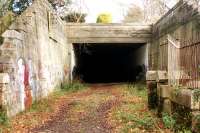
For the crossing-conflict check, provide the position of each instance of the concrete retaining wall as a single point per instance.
(34, 57)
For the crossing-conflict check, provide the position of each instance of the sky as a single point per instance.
(117, 8)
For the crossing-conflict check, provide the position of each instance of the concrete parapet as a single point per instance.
(151, 75)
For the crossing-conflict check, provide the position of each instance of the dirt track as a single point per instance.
(100, 108)
(84, 112)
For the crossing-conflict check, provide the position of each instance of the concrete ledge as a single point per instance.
(12, 34)
(187, 98)
(162, 76)
(151, 75)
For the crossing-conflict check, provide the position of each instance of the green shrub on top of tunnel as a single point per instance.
(104, 18)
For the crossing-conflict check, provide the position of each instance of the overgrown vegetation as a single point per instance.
(73, 87)
(3, 118)
(183, 117)
(169, 121)
(5, 22)
(196, 95)
(75, 17)
(138, 89)
(39, 109)
(197, 123)
(104, 18)
(133, 114)
(44, 104)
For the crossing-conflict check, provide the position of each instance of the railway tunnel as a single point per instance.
(105, 63)
(107, 53)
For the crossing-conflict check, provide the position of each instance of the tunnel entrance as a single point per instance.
(108, 63)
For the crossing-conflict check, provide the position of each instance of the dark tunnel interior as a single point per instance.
(109, 63)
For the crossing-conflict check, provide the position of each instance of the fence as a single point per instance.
(184, 63)
(163, 50)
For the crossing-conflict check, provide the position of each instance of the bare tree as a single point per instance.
(4, 7)
(154, 9)
(69, 10)
(134, 14)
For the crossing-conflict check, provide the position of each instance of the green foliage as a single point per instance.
(104, 18)
(41, 106)
(183, 117)
(73, 87)
(197, 121)
(4, 7)
(168, 121)
(196, 95)
(3, 118)
(146, 122)
(137, 89)
(75, 17)
(5, 22)
(1, 40)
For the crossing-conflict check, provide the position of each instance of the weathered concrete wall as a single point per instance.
(34, 57)
(141, 55)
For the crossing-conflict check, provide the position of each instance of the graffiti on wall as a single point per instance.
(32, 79)
(20, 80)
(23, 76)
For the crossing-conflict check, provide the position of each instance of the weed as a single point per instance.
(73, 87)
(3, 118)
(197, 124)
(137, 90)
(168, 121)
(196, 95)
(145, 122)
(41, 106)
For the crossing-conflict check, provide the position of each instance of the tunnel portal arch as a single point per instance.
(96, 48)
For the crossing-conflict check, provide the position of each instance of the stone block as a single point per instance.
(4, 78)
(167, 106)
(164, 91)
(151, 75)
(186, 97)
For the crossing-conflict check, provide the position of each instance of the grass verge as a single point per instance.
(133, 114)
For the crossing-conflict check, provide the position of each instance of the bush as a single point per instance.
(73, 87)
(104, 18)
(75, 17)
(168, 121)
(3, 118)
